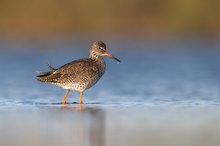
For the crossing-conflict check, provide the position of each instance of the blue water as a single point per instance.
(154, 88)
(145, 78)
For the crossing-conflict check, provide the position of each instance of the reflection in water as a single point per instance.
(97, 127)
(53, 125)
(87, 126)
(93, 128)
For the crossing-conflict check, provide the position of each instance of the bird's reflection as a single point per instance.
(93, 128)
(76, 107)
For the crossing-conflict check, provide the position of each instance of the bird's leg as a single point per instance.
(80, 98)
(64, 98)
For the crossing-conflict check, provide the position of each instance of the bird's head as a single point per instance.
(98, 48)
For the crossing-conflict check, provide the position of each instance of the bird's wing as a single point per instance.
(76, 71)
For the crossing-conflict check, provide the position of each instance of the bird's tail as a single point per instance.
(46, 76)
(43, 76)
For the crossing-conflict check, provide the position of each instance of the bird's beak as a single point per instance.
(110, 55)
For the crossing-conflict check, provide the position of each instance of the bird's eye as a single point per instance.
(100, 48)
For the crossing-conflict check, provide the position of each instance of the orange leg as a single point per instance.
(80, 98)
(64, 98)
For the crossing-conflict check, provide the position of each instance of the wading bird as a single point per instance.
(81, 74)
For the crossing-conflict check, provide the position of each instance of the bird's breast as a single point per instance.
(84, 78)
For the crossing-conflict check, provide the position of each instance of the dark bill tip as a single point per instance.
(116, 59)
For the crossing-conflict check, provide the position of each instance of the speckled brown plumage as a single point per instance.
(81, 74)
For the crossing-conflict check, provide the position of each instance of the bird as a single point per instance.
(80, 74)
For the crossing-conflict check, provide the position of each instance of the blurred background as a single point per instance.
(49, 17)
(166, 91)
(40, 21)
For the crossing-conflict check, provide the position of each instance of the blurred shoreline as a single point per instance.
(154, 17)
(119, 42)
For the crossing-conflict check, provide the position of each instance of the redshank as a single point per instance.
(81, 74)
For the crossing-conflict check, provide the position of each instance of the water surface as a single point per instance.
(154, 97)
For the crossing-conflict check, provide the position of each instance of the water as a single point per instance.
(154, 97)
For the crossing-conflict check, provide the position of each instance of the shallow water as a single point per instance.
(154, 97)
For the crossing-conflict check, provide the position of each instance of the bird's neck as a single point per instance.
(94, 56)
(97, 58)
(99, 61)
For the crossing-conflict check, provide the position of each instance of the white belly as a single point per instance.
(74, 86)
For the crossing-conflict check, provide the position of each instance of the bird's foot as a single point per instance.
(63, 102)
